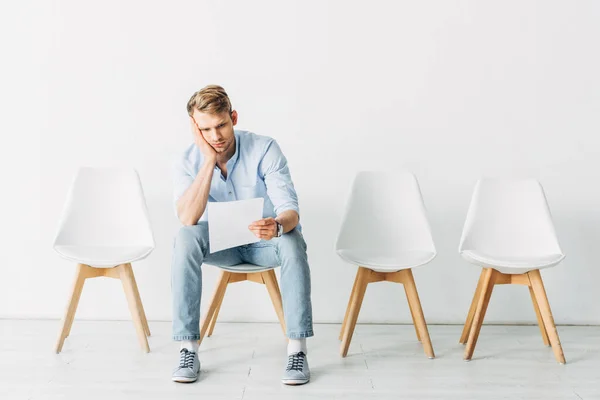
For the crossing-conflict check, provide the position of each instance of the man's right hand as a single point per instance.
(206, 149)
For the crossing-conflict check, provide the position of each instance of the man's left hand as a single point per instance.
(265, 228)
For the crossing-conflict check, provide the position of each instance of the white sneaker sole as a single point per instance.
(183, 379)
(294, 382)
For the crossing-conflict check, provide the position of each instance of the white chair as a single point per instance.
(509, 232)
(104, 228)
(239, 273)
(386, 233)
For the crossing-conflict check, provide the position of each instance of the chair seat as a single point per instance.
(382, 261)
(242, 268)
(103, 256)
(511, 264)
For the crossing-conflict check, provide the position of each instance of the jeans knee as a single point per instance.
(192, 238)
(291, 245)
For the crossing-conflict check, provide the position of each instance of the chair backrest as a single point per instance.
(105, 207)
(511, 218)
(385, 212)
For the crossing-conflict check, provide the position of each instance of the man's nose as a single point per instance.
(217, 136)
(213, 136)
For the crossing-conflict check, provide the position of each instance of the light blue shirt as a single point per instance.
(258, 168)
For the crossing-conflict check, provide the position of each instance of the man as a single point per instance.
(225, 164)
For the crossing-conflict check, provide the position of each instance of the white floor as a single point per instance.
(102, 360)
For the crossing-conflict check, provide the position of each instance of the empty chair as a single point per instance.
(385, 233)
(509, 232)
(239, 273)
(104, 228)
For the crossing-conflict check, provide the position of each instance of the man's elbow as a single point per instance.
(186, 220)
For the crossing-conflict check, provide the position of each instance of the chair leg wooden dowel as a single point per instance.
(412, 314)
(138, 299)
(542, 299)
(126, 274)
(539, 317)
(345, 321)
(213, 321)
(70, 321)
(482, 303)
(415, 304)
(87, 272)
(469, 322)
(270, 280)
(212, 307)
(361, 287)
(67, 321)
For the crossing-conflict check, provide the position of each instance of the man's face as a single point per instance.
(217, 129)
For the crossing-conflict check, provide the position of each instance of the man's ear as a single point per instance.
(234, 117)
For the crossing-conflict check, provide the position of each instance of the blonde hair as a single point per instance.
(211, 99)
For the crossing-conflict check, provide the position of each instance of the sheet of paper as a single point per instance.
(228, 223)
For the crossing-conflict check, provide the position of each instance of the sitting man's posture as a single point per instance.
(225, 164)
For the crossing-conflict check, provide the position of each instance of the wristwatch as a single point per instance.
(279, 229)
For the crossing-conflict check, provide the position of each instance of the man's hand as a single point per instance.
(265, 228)
(206, 149)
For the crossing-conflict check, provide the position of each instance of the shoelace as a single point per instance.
(296, 361)
(186, 358)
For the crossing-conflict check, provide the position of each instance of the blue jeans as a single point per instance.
(191, 251)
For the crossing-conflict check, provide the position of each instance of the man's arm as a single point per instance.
(192, 203)
(281, 192)
(289, 219)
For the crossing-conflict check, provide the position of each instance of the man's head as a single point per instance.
(211, 110)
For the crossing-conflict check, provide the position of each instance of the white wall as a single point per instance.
(449, 90)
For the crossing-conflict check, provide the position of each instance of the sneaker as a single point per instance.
(189, 367)
(296, 372)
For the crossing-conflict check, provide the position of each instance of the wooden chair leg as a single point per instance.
(127, 279)
(88, 272)
(140, 305)
(415, 304)
(213, 321)
(356, 303)
(484, 298)
(539, 318)
(218, 293)
(540, 294)
(471, 314)
(67, 321)
(270, 280)
(412, 314)
(348, 307)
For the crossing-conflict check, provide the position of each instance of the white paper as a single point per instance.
(228, 223)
